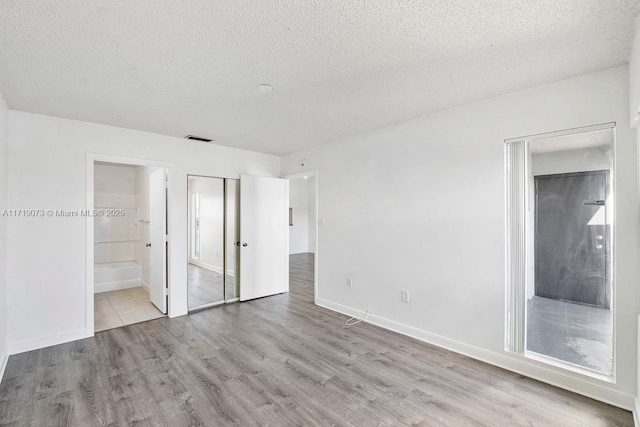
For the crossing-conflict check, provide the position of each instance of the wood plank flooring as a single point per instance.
(276, 361)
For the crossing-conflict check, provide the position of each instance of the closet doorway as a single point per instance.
(213, 241)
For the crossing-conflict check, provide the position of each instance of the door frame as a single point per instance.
(91, 159)
(316, 257)
(517, 215)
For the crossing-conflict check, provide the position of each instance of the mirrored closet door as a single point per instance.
(213, 235)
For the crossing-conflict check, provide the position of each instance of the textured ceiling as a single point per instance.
(338, 68)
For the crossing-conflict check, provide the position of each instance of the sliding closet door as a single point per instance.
(263, 231)
(206, 241)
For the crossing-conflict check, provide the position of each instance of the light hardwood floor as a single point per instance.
(276, 361)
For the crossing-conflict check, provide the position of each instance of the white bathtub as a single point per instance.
(111, 276)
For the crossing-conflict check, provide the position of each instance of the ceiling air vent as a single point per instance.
(198, 138)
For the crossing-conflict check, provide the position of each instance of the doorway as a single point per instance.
(129, 244)
(213, 212)
(303, 234)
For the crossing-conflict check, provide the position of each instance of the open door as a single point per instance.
(264, 225)
(157, 238)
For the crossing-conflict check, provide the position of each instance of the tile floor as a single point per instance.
(124, 307)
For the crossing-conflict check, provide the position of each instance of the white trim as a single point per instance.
(569, 366)
(286, 240)
(146, 286)
(3, 365)
(206, 266)
(636, 119)
(91, 158)
(572, 131)
(207, 305)
(117, 286)
(512, 362)
(17, 347)
(636, 413)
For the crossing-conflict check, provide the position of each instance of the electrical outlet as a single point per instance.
(404, 296)
(349, 282)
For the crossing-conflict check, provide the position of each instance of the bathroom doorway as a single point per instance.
(129, 241)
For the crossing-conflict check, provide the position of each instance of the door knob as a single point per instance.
(148, 245)
(245, 245)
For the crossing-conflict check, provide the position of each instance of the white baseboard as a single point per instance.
(636, 413)
(206, 266)
(17, 347)
(145, 285)
(116, 286)
(558, 377)
(3, 365)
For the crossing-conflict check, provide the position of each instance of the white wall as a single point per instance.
(3, 235)
(586, 159)
(634, 78)
(312, 208)
(420, 207)
(299, 232)
(115, 188)
(46, 257)
(211, 221)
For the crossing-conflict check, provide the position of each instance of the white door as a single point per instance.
(157, 238)
(264, 258)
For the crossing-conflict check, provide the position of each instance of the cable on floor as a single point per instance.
(350, 322)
